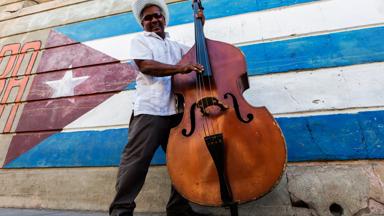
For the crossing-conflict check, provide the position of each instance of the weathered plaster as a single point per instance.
(305, 189)
(351, 186)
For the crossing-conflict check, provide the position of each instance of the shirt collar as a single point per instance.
(153, 34)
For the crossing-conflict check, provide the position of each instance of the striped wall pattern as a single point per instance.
(67, 91)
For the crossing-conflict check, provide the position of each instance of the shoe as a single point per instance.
(119, 212)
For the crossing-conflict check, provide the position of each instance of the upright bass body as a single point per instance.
(254, 152)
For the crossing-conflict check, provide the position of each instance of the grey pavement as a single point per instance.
(44, 212)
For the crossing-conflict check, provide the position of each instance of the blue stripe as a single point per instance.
(180, 14)
(332, 50)
(335, 137)
(313, 138)
(86, 148)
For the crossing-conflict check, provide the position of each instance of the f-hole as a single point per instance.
(237, 109)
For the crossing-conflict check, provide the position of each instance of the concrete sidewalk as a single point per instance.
(36, 212)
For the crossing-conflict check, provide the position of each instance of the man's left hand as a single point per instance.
(200, 15)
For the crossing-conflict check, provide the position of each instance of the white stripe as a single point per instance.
(299, 20)
(325, 89)
(331, 112)
(113, 112)
(323, 92)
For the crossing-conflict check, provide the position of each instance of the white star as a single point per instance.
(66, 85)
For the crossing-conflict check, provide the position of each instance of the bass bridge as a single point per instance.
(207, 102)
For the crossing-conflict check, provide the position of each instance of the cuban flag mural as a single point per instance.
(66, 98)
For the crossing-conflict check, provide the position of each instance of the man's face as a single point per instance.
(153, 21)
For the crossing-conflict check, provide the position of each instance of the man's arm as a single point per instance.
(154, 68)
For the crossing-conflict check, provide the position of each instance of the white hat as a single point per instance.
(139, 5)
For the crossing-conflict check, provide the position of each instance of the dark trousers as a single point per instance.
(146, 134)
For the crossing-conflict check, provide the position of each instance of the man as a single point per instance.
(155, 112)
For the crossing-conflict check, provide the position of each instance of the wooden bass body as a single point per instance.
(254, 151)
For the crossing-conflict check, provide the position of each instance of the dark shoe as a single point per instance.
(121, 212)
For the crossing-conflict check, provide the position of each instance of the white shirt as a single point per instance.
(154, 94)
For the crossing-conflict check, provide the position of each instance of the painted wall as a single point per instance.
(67, 86)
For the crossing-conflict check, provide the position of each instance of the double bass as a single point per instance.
(224, 152)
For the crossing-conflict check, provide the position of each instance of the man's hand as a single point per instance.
(187, 68)
(155, 68)
(200, 15)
